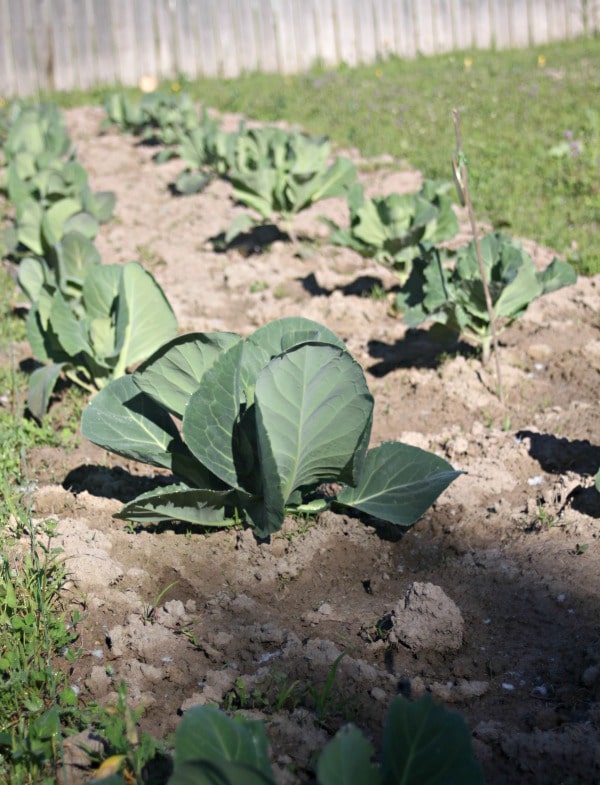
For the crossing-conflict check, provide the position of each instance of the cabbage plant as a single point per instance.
(155, 117)
(446, 288)
(252, 428)
(423, 744)
(278, 173)
(207, 152)
(90, 322)
(47, 186)
(392, 229)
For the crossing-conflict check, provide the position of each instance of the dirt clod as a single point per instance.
(427, 619)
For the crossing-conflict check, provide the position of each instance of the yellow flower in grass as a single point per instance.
(2, 103)
(468, 63)
(378, 73)
(175, 87)
(541, 61)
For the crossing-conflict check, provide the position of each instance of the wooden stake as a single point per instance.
(462, 181)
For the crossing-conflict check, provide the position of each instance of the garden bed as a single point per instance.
(186, 617)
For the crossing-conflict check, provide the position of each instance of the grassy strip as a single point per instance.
(35, 627)
(38, 626)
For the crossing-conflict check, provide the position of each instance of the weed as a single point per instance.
(150, 258)
(36, 701)
(324, 701)
(377, 293)
(150, 609)
(258, 286)
(129, 751)
(545, 519)
(275, 693)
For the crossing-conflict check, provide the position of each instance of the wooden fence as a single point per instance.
(67, 44)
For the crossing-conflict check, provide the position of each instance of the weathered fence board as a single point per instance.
(65, 44)
(105, 64)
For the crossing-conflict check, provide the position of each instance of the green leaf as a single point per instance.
(255, 189)
(424, 744)
(144, 318)
(202, 507)
(313, 420)
(100, 205)
(100, 291)
(280, 335)
(188, 183)
(75, 256)
(516, 296)
(82, 222)
(32, 275)
(55, 217)
(174, 371)
(218, 772)
(240, 224)
(70, 330)
(123, 420)
(205, 733)
(212, 412)
(29, 216)
(101, 335)
(44, 343)
(41, 386)
(557, 275)
(335, 181)
(398, 483)
(346, 760)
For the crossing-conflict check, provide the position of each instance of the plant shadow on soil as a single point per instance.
(362, 286)
(254, 242)
(415, 350)
(112, 482)
(559, 455)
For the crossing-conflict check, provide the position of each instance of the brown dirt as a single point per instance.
(512, 548)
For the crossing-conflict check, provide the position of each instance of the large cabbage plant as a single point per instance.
(252, 428)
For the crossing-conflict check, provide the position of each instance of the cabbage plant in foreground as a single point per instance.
(254, 427)
(423, 744)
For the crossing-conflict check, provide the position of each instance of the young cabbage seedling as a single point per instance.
(393, 229)
(446, 288)
(279, 173)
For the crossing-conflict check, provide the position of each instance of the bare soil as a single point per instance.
(504, 571)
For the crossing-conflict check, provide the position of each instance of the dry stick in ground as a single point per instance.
(462, 177)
